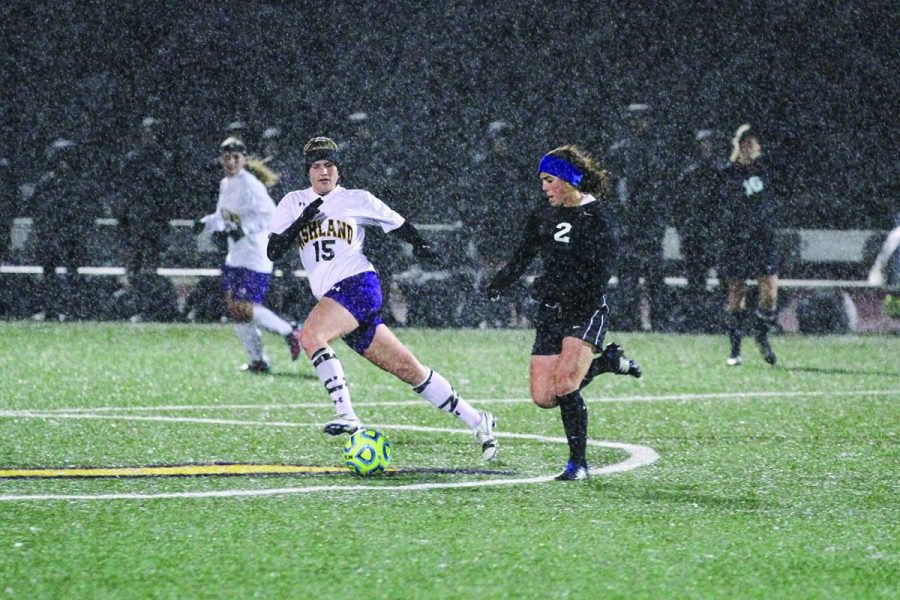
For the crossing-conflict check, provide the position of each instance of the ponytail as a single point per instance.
(258, 168)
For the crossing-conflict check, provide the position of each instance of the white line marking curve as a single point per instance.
(638, 456)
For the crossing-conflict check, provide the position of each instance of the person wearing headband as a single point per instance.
(326, 223)
(242, 214)
(575, 234)
(750, 251)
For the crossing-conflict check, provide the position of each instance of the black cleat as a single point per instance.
(257, 366)
(573, 472)
(762, 342)
(614, 356)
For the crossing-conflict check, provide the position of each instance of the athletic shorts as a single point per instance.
(245, 285)
(361, 295)
(748, 259)
(554, 322)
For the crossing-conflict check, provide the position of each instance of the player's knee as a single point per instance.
(310, 338)
(546, 400)
(240, 312)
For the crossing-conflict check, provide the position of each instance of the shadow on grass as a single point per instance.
(833, 371)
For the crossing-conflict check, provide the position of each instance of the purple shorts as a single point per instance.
(245, 285)
(361, 295)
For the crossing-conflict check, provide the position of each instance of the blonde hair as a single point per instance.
(258, 168)
(736, 142)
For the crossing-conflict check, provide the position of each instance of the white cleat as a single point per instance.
(734, 361)
(342, 424)
(484, 435)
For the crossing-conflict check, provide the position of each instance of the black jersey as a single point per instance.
(748, 204)
(577, 246)
(748, 223)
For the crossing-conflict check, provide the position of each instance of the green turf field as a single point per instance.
(754, 482)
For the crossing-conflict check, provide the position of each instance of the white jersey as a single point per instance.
(244, 203)
(331, 247)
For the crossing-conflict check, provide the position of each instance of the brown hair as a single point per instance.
(595, 180)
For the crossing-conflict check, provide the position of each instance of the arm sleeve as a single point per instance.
(410, 234)
(522, 256)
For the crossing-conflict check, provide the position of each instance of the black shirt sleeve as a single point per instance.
(523, 255)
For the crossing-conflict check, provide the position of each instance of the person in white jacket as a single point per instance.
(243, 212)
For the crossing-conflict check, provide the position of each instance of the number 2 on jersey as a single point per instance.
(324, 250)
(562, 232)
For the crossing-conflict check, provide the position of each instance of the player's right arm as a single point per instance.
(523, 255)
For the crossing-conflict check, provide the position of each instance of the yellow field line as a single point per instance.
(173, 470)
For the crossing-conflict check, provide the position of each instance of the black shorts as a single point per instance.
(555, 322)
(749, 259)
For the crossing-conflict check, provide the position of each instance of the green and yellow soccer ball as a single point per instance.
(367, 452)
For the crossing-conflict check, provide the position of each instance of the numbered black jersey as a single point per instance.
(748, 206)
(577, 246)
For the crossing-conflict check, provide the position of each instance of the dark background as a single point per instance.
(819, 79)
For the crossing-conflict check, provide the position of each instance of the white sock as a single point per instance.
(331, 374)
(251, 337)
(440, 393)
(266, 319)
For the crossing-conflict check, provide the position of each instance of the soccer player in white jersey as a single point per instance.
(326, 222)
(242, 213)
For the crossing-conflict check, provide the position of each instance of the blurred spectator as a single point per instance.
(367, 160)
(284, 163)
(639, 176)
(64, 217)
(695, 213)
(9, 206)
(489, 218)
(146, 200)
(748, 244)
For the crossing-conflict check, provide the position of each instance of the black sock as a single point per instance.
(733, 323)
(575, 423)
(764, 320)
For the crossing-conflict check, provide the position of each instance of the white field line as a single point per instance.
(413, 403)
(637, 456)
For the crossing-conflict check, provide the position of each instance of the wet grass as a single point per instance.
(770, 483)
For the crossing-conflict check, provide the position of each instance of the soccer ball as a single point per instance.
(367, 452)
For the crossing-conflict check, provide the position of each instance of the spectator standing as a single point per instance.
(639, 176)
(369, 166)
(496, 167)
(146, 200)
(64, 217)
(279, 159)
(696, 213)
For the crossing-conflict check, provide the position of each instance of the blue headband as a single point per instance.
(561, 168)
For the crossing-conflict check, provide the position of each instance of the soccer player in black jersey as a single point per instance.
(748, 227)
(576, 237)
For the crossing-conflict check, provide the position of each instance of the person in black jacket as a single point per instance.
(576, 236)
(146, 202)
(696, 213)
(63, 220)
(749, 249)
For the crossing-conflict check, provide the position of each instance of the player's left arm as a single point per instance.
(422, 249)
